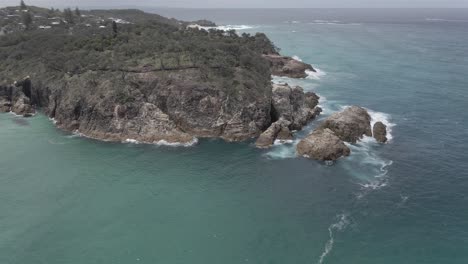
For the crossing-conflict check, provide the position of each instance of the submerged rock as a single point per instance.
(287, 66)
(322, 144)
(380, 132)
(349, 125)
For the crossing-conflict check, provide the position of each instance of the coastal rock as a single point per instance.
(349, 125)
(22, 105)
(380, 132)
(292, 104)
(322, 144)
(149, 107)
(5, 106)
(287, 66)
(278, 130)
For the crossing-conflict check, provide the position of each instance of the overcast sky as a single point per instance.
(245, 3)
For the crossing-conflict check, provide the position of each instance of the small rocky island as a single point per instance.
(122, 75)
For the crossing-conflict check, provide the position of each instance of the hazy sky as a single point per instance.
(244, 3)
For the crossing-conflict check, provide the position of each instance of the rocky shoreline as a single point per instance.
(199, 112)
(120, 86)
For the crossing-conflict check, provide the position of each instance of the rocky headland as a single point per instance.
(118, 84)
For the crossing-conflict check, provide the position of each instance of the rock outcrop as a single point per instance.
(14, 99)
(322, 144)
(293, 108)
(277, 130)
(380, 132)
(294, 105)
(287, 66)
(350, 125)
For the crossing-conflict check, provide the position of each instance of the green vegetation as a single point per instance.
(155, 44)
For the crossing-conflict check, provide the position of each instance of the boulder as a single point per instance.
(322, 144)
(350, 125)
(287, 66)
(277, 130)
(5, 105)
(294, 105)
(22, 105)
(380, 132)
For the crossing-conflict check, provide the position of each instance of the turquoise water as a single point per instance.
(67, 199)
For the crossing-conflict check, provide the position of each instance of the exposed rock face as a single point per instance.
(293, 109)
(292, 104)
(14, 99)
(22, 106)
(349, 125)
(322, 144)
(5, 106)
(287, 66)
(278, 130)
(174, 107)
(380, 132)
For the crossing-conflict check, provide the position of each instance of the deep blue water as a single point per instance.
(66, 199)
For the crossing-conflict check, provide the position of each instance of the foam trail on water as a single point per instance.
(340, 225)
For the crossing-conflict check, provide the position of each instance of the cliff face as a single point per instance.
(151, 106)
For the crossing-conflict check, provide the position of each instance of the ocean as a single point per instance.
(68, 199)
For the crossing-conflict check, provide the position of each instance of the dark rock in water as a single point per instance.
(322, 144)
(292, 104)
(20, 121)
(277, 130)
(380, 132)
(349, 125)
(287, 66)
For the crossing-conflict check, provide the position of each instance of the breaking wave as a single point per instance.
(317, 75)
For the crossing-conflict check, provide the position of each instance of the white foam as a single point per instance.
(385, 119)
(340, 225)
(177, 144)
(283, 150)
(296, 58)
(53, 120)
(131, 141)
(317, 75)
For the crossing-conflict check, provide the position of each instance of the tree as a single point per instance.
(27, 19)
(77, 12)
(23, 5)
(68, 15)
(114, 28)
